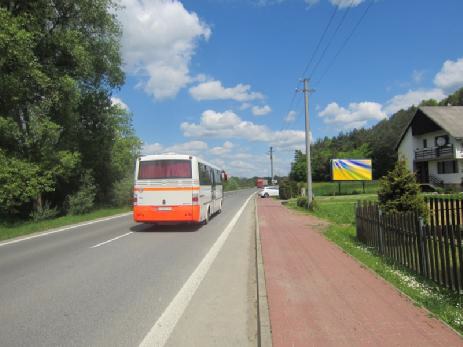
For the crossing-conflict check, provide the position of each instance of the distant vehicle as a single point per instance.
(269, 191)
(261, 182)
(176, 188)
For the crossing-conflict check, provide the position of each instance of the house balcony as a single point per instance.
(445, 152)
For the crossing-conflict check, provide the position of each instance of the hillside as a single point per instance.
(377, 143)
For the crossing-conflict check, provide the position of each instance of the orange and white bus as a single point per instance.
(176, 188)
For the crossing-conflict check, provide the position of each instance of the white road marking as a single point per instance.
(64, 229)
(111, 240)
(161, 330)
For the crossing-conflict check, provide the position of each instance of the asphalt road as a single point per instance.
(74, 288)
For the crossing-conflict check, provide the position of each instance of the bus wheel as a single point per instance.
(208, 216)
(220, 208)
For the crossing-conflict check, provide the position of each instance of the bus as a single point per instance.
(176, 188)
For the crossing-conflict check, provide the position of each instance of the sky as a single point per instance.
(218, 78)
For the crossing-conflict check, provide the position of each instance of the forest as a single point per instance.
(378, 143)
(65, 146)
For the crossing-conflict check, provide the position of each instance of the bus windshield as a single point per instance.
(159, 169)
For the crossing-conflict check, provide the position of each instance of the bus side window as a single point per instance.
(204, 175)
(210, 172)
(218, 177)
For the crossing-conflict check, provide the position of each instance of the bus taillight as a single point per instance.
(195, 199)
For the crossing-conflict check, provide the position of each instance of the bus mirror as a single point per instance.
(224, 176)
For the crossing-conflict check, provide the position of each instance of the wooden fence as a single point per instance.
(431, 248)
(445, 211)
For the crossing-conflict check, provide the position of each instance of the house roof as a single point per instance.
(449, 118)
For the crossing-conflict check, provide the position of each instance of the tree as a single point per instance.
(399, 191)
(59, 64)
(299, 167)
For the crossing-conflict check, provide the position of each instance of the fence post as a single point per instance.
(421, 240)
(380, 232)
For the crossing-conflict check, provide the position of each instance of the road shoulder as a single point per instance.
(223, 311)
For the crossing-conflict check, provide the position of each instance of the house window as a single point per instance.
(447, 167)
(425, 143)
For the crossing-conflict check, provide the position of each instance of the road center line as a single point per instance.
(161, 330)
(74, 226)
(111, 240)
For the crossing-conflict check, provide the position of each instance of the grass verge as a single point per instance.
(443, 303)
(8, 231)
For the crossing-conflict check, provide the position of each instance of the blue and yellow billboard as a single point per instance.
(351, 170)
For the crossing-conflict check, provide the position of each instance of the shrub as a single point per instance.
(288, 189)
(44, 212)
(302, 201)
(83, 201)
(122, 192)
(399, 191)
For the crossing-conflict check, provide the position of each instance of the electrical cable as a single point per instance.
(330, 65)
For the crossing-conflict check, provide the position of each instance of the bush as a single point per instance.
(302, 201)
(399, 191)
(44, 212)
(122, 192)
(288, 189)
(83, 201)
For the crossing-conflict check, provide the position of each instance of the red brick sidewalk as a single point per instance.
(319, 296)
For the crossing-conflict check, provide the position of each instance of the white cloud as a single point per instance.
(214, 90)
(229, 125)
(450, 77)
(158, 42)
(412, 97)
(118, 102)
(226, 148)
(261, 111)
(191, 147)
(355, 116)
(245, 106)
(418, 76)
(290, 117)
(152, 148)
(346, 3)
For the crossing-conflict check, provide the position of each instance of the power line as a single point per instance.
(285, 125)
(343, 18)
(320, 40)
(330, 65)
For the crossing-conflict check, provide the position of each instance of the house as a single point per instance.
(432, 145)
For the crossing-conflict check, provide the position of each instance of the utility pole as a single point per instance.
(306, 91)
(271, 165)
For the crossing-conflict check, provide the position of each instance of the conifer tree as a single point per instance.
(399, 191)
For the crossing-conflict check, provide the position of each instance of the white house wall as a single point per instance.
(407, 148)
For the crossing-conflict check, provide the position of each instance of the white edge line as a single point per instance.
(111, 240)
(74, 226)
(161, 330)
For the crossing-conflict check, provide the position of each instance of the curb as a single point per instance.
(264, 330)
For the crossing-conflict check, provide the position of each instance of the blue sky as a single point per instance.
(216, 78)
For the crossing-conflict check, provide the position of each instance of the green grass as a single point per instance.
(347, 188)
(8, 231)
(443, 303)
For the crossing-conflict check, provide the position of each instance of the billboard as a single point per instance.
(351, 170)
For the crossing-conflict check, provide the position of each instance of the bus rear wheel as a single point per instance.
(208, 216)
